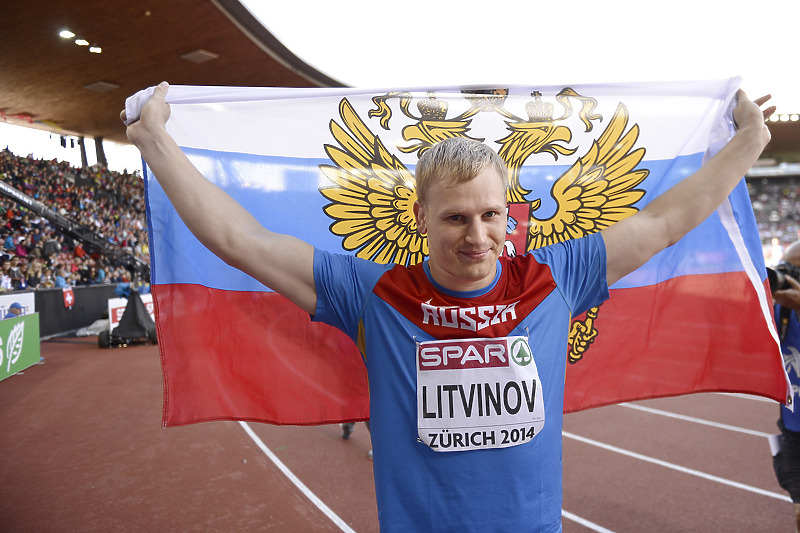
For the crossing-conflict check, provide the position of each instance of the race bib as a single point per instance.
(477, 393)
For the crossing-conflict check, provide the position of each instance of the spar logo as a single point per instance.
(459, 354)
(521, 352)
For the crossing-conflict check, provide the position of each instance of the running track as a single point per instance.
(81, 449)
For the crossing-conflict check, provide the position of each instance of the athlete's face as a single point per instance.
(466, 228)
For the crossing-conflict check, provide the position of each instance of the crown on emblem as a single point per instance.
(432, 109)
(539, 111)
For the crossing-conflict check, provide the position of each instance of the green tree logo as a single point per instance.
(521, 352)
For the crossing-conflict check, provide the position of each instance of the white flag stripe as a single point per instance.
(269, 121)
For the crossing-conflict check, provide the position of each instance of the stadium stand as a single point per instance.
(61, 225)
(775, 206)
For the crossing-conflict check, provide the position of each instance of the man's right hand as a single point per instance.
(283, 263)
(152, 119)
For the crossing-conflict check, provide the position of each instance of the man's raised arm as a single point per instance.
(281, 262)
(630, 243)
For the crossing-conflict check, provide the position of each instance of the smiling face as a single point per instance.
(465, 223)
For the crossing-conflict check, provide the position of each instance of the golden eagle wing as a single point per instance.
(372, 199)
(598, 190)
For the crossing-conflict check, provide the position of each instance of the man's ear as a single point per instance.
(419, 215)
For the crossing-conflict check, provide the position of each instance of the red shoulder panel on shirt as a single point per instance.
(523, 284)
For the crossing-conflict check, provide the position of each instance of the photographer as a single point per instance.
(786, 295)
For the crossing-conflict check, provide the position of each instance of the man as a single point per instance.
(5, 276)
(787, 305)
(17, 280)
(14, 310)
(463, 299)
(61, 279)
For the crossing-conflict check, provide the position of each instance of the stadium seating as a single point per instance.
(85, 226)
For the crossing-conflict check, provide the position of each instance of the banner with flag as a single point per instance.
(335, 167)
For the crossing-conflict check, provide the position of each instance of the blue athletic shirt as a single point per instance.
(790, 347)
(388, 310)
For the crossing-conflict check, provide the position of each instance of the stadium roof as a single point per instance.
(49, 82)
(52, 83)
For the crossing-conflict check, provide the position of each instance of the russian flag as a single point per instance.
(335, 167)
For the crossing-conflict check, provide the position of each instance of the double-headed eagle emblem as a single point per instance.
(373, 192)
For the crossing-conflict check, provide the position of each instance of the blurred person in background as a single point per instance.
(785, 289)
(14, 310)
(33, 274)
(60, 279)
(5, 276)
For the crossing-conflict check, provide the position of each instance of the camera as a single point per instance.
(777, 276)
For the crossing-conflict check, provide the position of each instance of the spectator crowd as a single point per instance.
(775, 206)
(34, 253)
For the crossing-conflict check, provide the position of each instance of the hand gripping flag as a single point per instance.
(335, 167)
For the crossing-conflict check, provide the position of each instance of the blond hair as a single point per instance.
(455, 160)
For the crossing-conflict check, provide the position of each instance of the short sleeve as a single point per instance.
(578, 267)
(344, 283)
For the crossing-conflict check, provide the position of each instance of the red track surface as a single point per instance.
(82, 449)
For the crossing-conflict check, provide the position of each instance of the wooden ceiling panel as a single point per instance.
(43, 75)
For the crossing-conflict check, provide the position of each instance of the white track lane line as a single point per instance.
(585, 523)
(334, 517)
(695, 420)
(297, 483)
(679, 468)
(747, 396)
